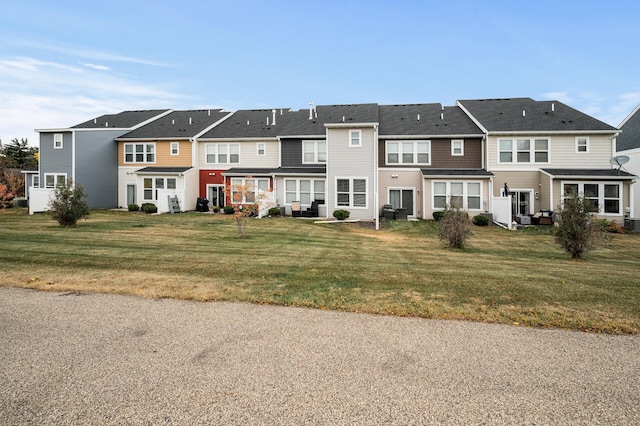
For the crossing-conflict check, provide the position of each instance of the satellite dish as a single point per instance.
(619, 160)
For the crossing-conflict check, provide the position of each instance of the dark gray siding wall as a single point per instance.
(291, 152)
(629, 138)
(97, 167)
(55, 160)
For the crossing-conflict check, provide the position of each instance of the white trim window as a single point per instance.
(153, 184)
(314, 152)
(305, 191)
(139, 152)
(351, 192)
(52, 180)
(251, 184)
(582, 145)
(57, 141)
(221, 153)
(408, 152)
(457, 147)
(261, 149)
(175, 148)
(605, 196)
(523, 150)
(466, 195)
(355, 138)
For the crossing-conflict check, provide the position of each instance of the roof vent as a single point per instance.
(524, 113)
(343, 118)
(247, 122)
(442, 116)
(273, 112)
(310, 110)
(95, 121)
(209, 112)
(553, 107)
(418, 117)
(190, 120)
(106, 124)
(173, 121)
(267, 121)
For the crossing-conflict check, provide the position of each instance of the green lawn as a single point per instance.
(510, 277)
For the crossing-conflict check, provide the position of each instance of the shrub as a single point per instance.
(480, 220)
(274, 211)
(133, 207)
(149, 208)
(438, 215)
(577, 228)
(68, 206)
(341, 214)
(454, 226)
(216, 209)
(228, 209)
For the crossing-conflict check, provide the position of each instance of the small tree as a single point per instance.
(577, 228)
(67, 205)
(455, 227)
(244, 199)
(5, 196)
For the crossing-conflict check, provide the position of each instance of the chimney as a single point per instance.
(273, 112)
(310, 110)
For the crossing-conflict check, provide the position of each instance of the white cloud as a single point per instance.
(97, 67)
(37, 94)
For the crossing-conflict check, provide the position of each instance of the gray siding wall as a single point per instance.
(97, 167)
(55, 160)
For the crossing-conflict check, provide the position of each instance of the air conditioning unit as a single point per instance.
(632, 225)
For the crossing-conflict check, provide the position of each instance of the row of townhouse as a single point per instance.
(354, 157)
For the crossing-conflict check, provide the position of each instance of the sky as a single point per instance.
(64, 62)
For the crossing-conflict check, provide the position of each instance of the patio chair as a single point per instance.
(295, 209)
(311, 211)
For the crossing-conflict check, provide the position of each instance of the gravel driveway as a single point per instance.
(101, 359)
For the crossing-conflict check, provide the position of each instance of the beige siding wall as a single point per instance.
(545, 193)
(248, 155)
(562, 153)
(427, 195)
(520, 181)
(162, 155)
(407, 179)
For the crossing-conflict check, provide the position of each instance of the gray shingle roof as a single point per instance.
(595, 173)
(456, 172)
(630, 136)
(301, 170)
(425, 119)
(504, 115)
(122, 120)
(163, 170)
(246, 171)
(177, 124)
(251, 123)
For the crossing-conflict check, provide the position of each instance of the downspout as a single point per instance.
(375, 177)
(73, 156)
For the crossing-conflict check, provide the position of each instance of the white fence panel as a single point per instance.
(502, 210)
(39, 199)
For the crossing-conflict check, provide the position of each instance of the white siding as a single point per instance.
(344, 161)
